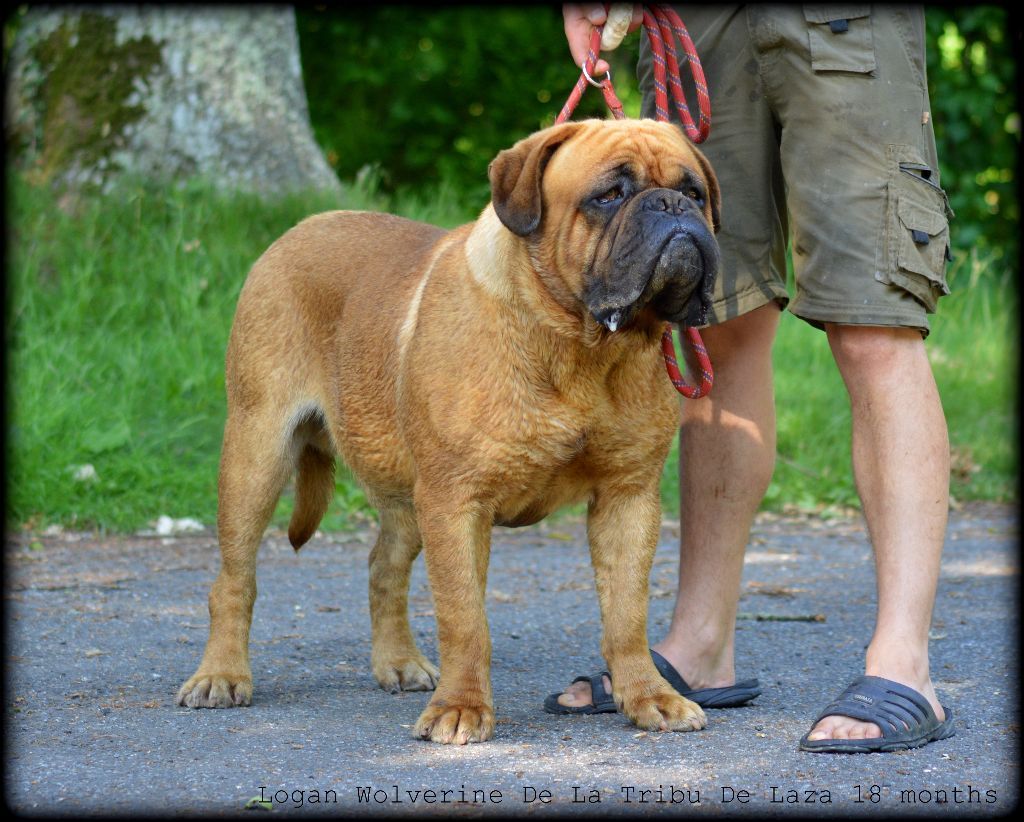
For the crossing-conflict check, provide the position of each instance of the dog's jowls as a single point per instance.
(478, 377)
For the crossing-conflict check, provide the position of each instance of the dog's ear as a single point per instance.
(714, 193)
(516, 173)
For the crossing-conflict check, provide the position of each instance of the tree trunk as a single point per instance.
(162, 92)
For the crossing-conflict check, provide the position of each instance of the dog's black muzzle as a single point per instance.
(657, 251)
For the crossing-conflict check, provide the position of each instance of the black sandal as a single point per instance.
(904, 716)
(731, 696)
(601, 701)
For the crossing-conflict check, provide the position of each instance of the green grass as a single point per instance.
(120, 307)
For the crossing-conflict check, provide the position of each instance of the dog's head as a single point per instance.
(618, 216)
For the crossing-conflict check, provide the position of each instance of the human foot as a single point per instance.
(838, 726)
(579, 697)
(878, 714)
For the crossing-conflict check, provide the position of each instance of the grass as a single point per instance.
(119, 308)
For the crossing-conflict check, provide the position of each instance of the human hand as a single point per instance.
(579, 21)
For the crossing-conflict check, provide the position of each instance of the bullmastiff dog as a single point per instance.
(470, 378)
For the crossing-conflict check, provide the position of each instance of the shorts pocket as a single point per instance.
(918, 232)
(840, 38)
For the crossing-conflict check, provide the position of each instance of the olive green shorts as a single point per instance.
(821, 136)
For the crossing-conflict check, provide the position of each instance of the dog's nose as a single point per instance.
(669, 201)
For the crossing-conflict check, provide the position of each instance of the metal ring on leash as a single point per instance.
(594, 82)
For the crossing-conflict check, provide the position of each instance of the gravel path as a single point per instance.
(102, 631)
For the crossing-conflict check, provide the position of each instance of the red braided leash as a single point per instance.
(662, 24)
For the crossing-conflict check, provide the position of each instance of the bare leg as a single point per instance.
(726, 459)
(901, 466)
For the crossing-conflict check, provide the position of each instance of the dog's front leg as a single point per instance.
(456, 545)
(623, 528)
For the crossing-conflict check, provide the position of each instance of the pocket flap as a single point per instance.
(916, 217)
(826, 13)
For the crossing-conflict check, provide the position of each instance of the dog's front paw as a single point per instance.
(407, 672)
(216, 691)
(665, 710)
(455, 721)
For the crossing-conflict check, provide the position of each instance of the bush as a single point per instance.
(972, 75)
(432, 94)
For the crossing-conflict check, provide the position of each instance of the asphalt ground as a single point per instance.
(101, 631)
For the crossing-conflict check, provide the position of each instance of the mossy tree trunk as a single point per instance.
(163, 92)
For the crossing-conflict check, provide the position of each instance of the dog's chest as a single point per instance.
(562, 464)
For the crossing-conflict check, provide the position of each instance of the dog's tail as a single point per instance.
(314, 489)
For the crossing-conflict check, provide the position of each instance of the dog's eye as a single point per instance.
(695, 194)
(610, 196)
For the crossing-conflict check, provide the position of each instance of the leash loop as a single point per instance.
(707, 375)
(662, 24)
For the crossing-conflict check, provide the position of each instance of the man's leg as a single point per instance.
(726, 459)
(901, 467)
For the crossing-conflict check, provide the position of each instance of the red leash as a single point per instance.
(662, 24)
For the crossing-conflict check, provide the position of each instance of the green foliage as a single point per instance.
(119, 312)
(972, 76)
(432, 94)
(120, 308)
(120, 305)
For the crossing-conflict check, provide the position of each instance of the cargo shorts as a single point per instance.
(821, 137)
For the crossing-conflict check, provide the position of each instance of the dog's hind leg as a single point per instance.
(257, 458)
(396, 661)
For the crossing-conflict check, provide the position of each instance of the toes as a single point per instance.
(577, 695)
(418, 675)
(441, 727)
(388, 680)
(470, 727)
(863, 730)
(822, 730)
(827, 728)
(215, 691)
(844, 727)
(407, 674)
(455, 724)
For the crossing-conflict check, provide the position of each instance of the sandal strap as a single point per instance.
(893, 707)
(671, 675)
(601, 696)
